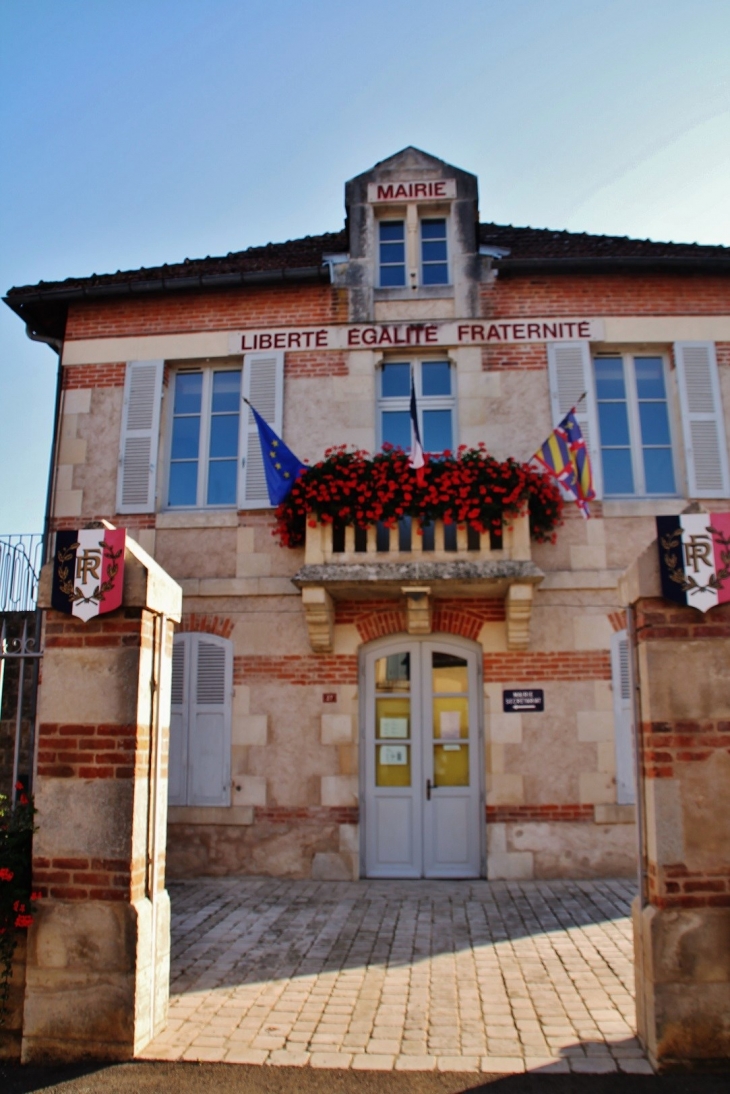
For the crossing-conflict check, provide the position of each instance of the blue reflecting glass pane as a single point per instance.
(437, 433)
(392, 252)
(222, 482)
(226, 391)
(618, 477)
(396, 380)
(397, 428)
(658, 471)
(610, 378)
(433, 229)
(436, 378)
(654, 423)
(614, 423)
(188, 388)
(649, 377)
(435, 251)
(185, 438)
(391, 229)
(224, 435)
(436, 274)
(392, 276)
(183, 483)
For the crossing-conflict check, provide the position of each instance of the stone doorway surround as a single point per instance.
(405, 975)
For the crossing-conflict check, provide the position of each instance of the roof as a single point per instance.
(44, 306)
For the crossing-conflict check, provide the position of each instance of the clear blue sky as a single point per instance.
(146, 131)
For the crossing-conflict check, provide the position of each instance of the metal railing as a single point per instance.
(20, 566)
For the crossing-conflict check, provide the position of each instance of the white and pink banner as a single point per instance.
(694, 558)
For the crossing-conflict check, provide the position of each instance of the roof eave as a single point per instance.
(616, 264)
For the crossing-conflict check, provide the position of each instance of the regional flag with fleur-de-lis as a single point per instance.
(565, 456)
(281, 466)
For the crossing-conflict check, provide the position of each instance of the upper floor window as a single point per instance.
(434, 263)
(205, 438)
(392, 253)
(434, 385)
(633, 423)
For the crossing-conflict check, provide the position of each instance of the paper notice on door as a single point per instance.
(393, 755)
(450, 725)
(394, 727)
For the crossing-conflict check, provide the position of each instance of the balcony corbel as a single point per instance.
(518, 613)
(319, 613)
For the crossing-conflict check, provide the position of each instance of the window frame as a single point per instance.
(412, 215)
(393, 265)
(206, 413)
(423, 402)
(628, 358)
(422, 263)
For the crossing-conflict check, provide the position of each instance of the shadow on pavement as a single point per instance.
(185, 1078)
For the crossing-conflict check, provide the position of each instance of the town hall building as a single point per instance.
(418, 700)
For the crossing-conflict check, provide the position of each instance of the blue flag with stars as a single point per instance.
(280, 464)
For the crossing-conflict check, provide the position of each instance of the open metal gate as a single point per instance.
(20, 654)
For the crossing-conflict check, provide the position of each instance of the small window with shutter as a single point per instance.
(139, 437)
(200, 724)
(623, 718)
(703, 428)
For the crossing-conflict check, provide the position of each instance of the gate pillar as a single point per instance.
(682, 918)
(98, 951)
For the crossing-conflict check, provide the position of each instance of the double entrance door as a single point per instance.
(424, 814)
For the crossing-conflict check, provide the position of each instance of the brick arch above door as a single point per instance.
(199, 623)
(380, 618)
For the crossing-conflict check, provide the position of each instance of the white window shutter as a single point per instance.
(209, 724)
(703, 427)
(570, 369)
(140, 437)
(263, 386)
(623, 718)
(176, 794)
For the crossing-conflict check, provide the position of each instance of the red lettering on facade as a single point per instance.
(353, 337)
(493, 334)
(432, 333)
(533, 330)
(369, 336)
(385, 192)
(439, 189)
(294, 338)
(420, 190)
(321, 338)
(518, 332)
(584, 329)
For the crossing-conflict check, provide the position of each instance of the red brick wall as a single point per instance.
(378, 618)
(83, 376)
(606, 294)
(206, 624)
(189, 312)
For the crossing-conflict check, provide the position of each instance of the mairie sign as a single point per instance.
(389, 336)
(694, 558)
(88, 571)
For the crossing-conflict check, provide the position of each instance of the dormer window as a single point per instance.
(434, 257)
(392, 253)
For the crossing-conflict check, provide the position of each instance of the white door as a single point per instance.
(423, 798)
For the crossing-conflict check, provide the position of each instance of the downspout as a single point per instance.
(56, 344)
(638, 755)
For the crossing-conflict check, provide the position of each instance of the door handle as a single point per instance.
(429, 787)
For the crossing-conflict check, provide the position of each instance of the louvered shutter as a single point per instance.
(177, 790)
(703, 427)
(571, 375)
(263, 386)
(140, 437)
(209, 724)
(623, 718)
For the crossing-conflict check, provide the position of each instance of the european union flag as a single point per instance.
(281, 466)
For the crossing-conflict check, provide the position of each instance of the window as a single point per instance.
(204, 444)
(633, 423)
(200, 720)
(434, 266)
(434, 384)
(413, 245)
(392, 253)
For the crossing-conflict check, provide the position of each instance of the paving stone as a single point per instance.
(502, 1065)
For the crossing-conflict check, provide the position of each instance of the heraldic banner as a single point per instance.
(88, 571)
(694, 558)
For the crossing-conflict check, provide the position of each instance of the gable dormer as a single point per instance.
(413, 229)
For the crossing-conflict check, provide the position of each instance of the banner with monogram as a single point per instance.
(88, 571)
(694, 558)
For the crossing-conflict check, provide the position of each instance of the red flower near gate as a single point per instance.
(5, 874)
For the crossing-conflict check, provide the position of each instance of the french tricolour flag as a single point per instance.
(416, 458)
(694, 558)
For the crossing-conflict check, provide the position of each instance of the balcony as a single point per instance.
(416, 564)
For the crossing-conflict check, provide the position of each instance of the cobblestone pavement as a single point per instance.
(409, 975)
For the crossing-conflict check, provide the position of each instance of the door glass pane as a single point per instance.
(449, 673)
(393, 718)
(393, 673)
(451, 717)
(451, 765)
(393, 765)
